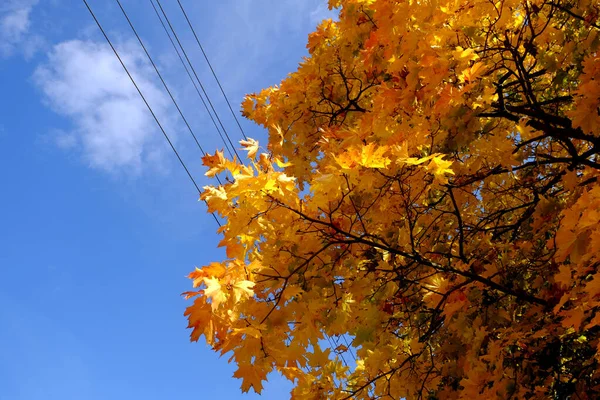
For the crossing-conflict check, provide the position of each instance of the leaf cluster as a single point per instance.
(425, 222)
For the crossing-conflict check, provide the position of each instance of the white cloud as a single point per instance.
(15, 23)
(83, 81)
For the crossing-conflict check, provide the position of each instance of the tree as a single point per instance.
(426, 221)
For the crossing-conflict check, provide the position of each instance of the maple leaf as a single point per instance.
(318, 356)
(279, 133)
(200, 319)
(465, 54)
(414, 161)
(251, 146)
(215, 162)
(247, 106)
(252, 377)
(573, 318)
(373, 157)
(292, 373)
(282, 164)
(564, 276)
(347, 160)
(435, 289)
(472, 73)
(252, 331)
(243, 289)
(440, 168)
(215, 292)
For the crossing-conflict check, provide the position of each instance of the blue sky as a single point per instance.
(100, 225)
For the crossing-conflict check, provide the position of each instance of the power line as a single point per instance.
(191, 79)
(147, 104)
(162, 80)
(197, 78)
(212, 70)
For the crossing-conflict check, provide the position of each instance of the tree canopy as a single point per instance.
(424, 222)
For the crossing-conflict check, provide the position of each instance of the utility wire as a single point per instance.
(191, 79)
(147, 104)
(162, 80)
(197, 78)
(348, 346)
(331, 346)
(212, 70)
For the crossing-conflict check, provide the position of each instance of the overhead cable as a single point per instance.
(146, 103)
(211, 69)
(227, 147)
(197, 77)
(161, 79)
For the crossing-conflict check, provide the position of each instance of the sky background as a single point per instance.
(99, 224)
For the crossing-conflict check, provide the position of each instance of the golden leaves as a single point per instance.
(372, 156)
(585, 111)
(216, 199)
(212, 270)
(579, 225)
(368, 156)
(323, 32)
(424, 203)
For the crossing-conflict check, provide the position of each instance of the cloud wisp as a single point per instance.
(82, 80)
(15, 28)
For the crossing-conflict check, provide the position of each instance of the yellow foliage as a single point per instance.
(425, 222)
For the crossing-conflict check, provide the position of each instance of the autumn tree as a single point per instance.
(424, 222)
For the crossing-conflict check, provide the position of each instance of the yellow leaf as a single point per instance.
(373, 156)
(247, 106)
(318, 357)
(215, 162)
(251, 146)
(280, 134)
(214, 292)
(243, 289)
(200, 319)
(415, 161)
(472, 73)
(252, 331)
(213, 270)
(346, 160)
(465, 54)
(252, 377)
(282, 164)
(292, 373)
(440, 168)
